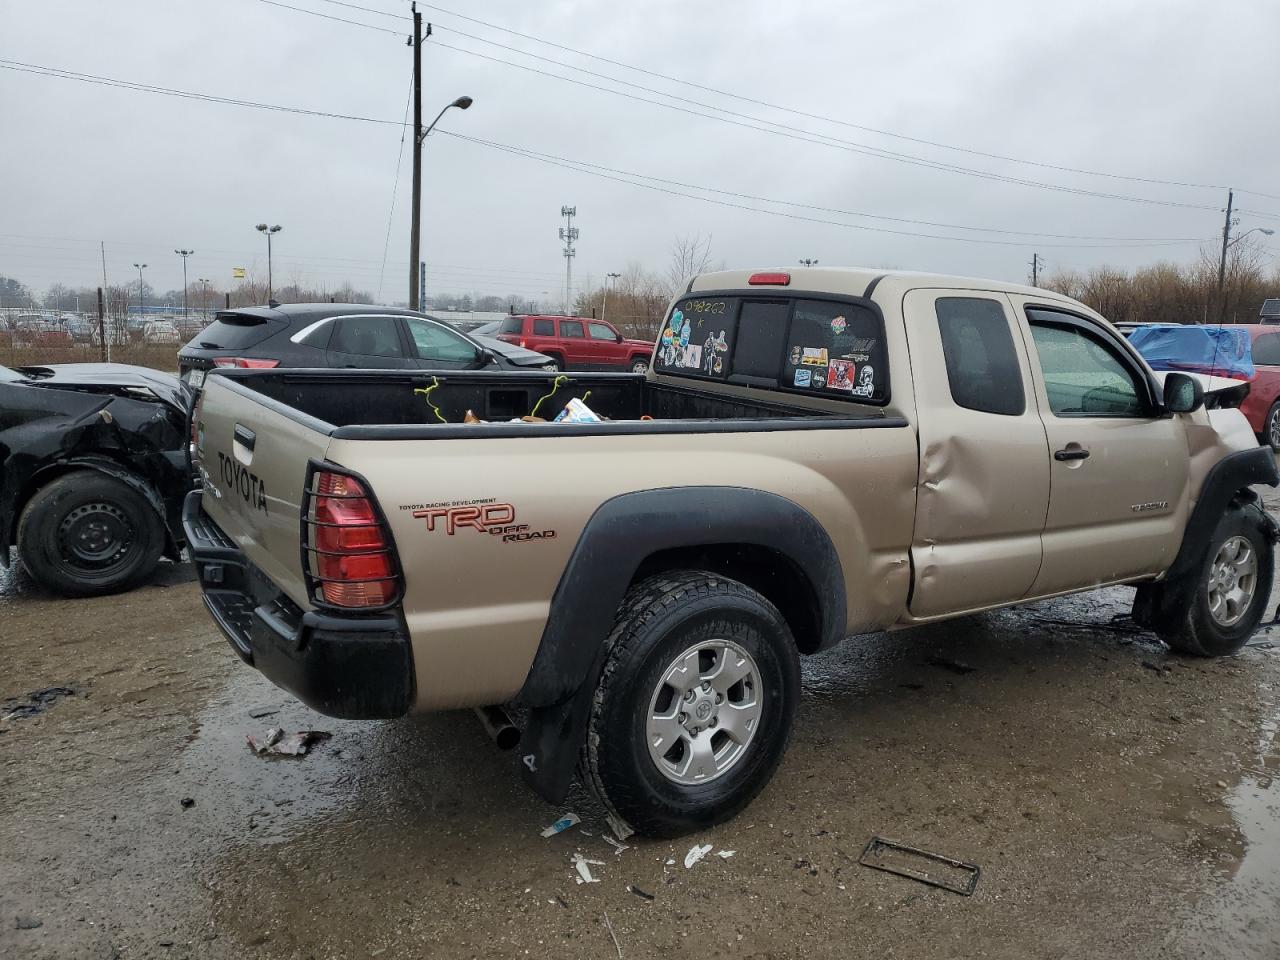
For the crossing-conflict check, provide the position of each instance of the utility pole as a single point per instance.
(608, 279)
(568, 234)
(102, 248)
(415, 211)
(184, 254)
(1222, 264)
(204, 294)
(1035, 269)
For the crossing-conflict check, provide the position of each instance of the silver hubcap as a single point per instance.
(704, 712)
(640, 367)
(1273, 429)
(1233, 578)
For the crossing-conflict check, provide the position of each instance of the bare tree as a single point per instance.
(690, 256)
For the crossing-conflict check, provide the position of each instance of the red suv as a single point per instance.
(577, 343)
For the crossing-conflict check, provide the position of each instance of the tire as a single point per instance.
(1239, 563)
(660, 620)
(1271, 428)
(640, 365)
(86, 534)
(556, 363)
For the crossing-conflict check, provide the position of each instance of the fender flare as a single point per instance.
(621, 534)
(1230, 477)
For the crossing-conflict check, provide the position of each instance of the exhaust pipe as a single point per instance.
(499, 727)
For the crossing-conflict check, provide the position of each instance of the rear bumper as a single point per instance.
(356, 668)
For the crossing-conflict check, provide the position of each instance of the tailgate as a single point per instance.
(253, 464)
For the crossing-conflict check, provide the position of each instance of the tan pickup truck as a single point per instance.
(811, 456)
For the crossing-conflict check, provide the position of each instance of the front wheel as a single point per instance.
(695, 703)
(86, 534)
(1223, 602)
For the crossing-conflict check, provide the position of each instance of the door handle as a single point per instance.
(1071, 453)
(245, 437)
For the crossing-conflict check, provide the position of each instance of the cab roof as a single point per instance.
(857, 281)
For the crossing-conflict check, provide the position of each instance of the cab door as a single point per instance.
(1119, 468)
(574, 343)
(983, 486)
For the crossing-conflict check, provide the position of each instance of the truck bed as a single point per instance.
(363, 404)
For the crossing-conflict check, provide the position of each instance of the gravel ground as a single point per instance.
(1120, 801)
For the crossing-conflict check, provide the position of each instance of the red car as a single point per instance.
(1206, 350)
(1262, 406)
(577, 343)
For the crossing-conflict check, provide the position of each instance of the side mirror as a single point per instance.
(1182, 393)
(618, 337)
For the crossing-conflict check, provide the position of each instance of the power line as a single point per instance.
(573, 165)
(561, 161)
(750, 122)
(793, 110)
(395, 183)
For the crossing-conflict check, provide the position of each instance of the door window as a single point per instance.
(1082, 376)
(600, 331)
(367, 337)
(544, 328)
(433, 342)
(571, 328)
(1266, 349)
(982, 364)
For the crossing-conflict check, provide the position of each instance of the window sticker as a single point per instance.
(838, 325)
(840, 375)
(813, 356)
(866, 381)
(713, 353)
(803, 376)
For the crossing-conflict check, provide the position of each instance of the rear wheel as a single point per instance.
(1271, 428)
(555, 364)
(1215, 611)
(86, 534)
(695, 703)
(640, 365)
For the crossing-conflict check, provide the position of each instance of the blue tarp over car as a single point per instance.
(1217, 351)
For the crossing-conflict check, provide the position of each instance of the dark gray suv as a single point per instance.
(344, 335)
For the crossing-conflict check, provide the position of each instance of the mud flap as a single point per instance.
(551, 743)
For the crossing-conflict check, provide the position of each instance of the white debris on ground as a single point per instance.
(561, 825)
(695, 854)
(583, 866)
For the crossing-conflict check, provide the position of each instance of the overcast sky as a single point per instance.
(1181, 91)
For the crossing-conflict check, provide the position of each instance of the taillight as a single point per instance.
(245, 363)
(769, 279)
(524, 344)
(349, 556)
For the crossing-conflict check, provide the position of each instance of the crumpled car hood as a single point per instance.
(166, 386)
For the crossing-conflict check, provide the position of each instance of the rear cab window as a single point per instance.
(812, 344)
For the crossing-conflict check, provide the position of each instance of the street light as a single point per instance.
(184, 254)
(608, 278)
(415, 213)
(142, 296)
(1227, 244)
(263, 228)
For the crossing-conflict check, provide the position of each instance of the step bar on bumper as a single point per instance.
(356, 668)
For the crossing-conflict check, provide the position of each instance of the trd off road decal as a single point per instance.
(481, 516)
(240, 480)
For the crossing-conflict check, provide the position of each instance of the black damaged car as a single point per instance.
(93, 470)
